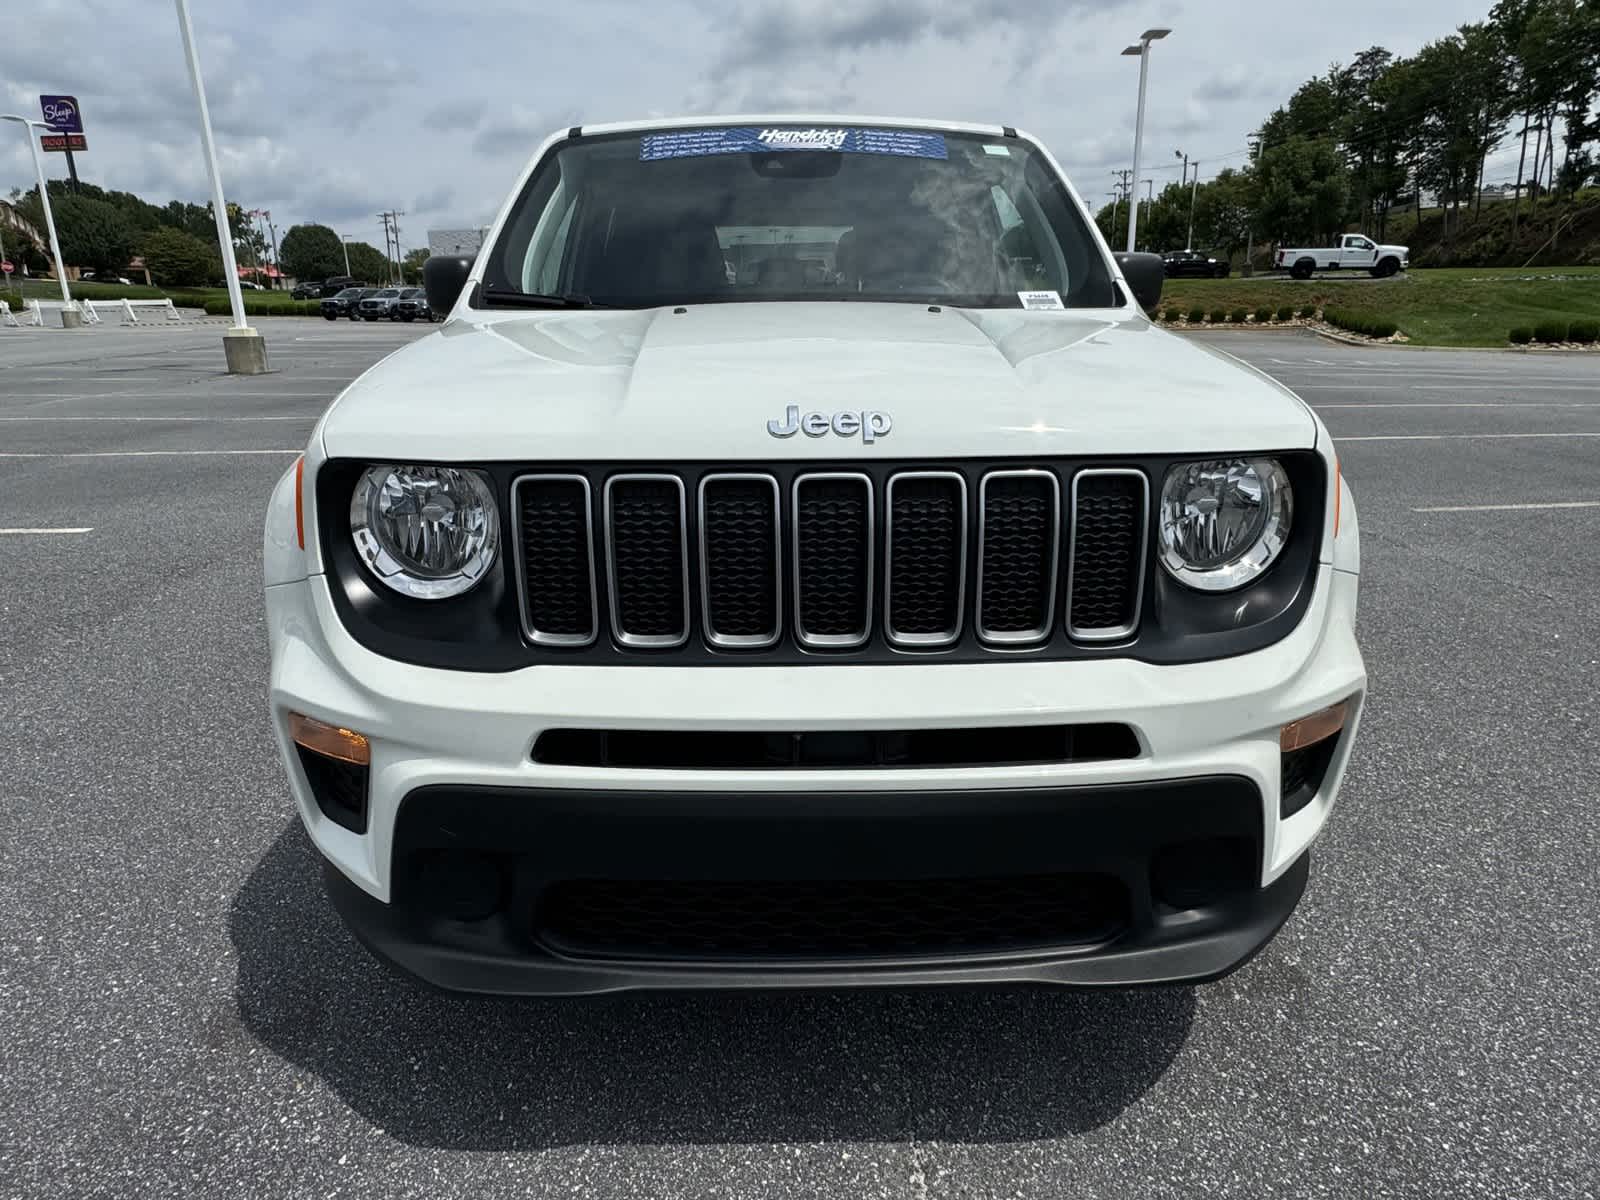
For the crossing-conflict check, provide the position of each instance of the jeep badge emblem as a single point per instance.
(870, 424)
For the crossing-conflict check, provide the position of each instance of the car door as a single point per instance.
(1358, 251)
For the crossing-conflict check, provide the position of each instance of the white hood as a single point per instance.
(596, 385)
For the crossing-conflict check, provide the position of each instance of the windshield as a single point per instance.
(349, 292)
(794, 213)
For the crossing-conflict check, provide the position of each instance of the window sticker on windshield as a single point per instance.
(997, 151)
(693, 143)
(1046, 301)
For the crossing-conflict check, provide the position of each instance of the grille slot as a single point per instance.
(746, 750)
(833, 556)
(647, 562)
(554, 522)
(1019, 530)
(741, 577)
(708, 920)
(925, 531)
(1106, 559)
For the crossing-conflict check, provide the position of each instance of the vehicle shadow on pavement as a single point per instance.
(461, 1072)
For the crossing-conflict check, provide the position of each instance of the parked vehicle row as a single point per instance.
(371, 304)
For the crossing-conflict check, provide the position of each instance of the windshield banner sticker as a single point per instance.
(692, 143)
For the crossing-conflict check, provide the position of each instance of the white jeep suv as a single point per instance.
(797, 561)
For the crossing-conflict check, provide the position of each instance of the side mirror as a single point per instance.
(1145, 274)
(443, 277)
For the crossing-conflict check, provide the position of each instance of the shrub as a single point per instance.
(1369, 326)
(1168, 315)
(1219, 316)
(1238, 316)
(1585, 333)
(218, 307)
(1550, 332)
(1308, 312)
(1285, 312)
(1263, 315)
(1196, 315)
(1521, 335)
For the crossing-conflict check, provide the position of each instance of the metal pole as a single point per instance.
(230, 268)
(1138, 144)
(344, 241)
(1193, 192)
(44, 201)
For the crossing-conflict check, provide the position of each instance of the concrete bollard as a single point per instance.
(71, 318)
(246, 350)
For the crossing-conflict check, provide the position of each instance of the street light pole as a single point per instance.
(1143, 51)
(245, 351)
(344, 242)
(70, 317)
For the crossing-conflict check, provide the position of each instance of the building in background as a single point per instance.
(456, 241)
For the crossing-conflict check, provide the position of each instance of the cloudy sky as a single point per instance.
(331, 111)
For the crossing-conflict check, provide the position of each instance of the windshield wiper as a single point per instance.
(536, 300)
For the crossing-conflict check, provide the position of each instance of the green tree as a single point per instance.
(311, 252)
(411, 265)
(1304, 188)
(368, 263)
(178, 259)
(93, 233)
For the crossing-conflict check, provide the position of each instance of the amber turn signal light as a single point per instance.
(1308, 731)
(329, 740)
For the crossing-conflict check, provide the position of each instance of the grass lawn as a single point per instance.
(1442, 306)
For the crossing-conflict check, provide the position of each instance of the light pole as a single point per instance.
(245, 351)
(344, 242)
(71, 318)
(1194, 190)
(1143, 51)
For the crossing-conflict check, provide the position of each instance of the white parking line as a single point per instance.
(1446, 387)
(129, 453)
(1445, 437)
(1460, 508)
(40, 532)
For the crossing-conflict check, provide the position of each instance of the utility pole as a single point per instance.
(391, 228)
(1194, 191)
(344, 242)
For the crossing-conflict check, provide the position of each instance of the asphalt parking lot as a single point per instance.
(183, 1014)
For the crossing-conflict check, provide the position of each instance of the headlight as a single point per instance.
(1223, 522)
(427, 532)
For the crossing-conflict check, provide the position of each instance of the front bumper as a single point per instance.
(1203, 728)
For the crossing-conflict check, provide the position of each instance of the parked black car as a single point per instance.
(307, 289)
(1194, 263)
(413, 303)
(343, 304)
(337, 284)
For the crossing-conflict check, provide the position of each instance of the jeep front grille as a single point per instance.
(831, 561)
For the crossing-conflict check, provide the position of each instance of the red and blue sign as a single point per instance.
(61, 113)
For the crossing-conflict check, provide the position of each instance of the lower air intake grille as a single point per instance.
(1106, 572)
(777, 919)
(647, 557)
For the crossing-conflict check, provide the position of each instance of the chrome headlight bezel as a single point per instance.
(390, 563)
(1256, 550)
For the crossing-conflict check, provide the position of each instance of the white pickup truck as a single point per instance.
(1353, 251)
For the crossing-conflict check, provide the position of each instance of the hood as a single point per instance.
(703, 383)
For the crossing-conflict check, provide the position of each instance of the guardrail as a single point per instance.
(129, 307)
(35, 309)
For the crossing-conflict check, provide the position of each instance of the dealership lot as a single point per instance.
(186, 1016)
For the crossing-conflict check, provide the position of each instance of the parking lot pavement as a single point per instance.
(184, 1015)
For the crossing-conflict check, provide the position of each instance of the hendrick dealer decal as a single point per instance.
(751, 139)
